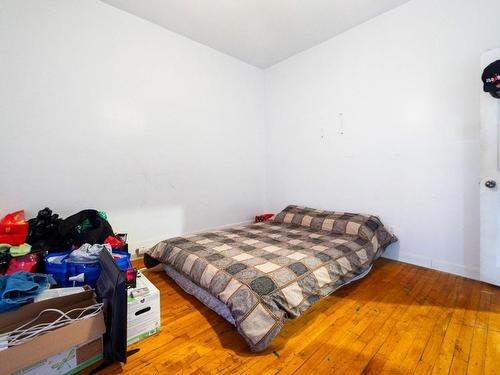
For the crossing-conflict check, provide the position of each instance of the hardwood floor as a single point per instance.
(400, 319)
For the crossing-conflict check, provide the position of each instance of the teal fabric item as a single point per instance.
(20, 288)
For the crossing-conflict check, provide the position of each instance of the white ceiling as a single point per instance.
(259, 32)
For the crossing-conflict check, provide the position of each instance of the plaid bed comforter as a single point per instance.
(272, 271)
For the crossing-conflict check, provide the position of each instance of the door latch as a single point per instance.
(490, 184)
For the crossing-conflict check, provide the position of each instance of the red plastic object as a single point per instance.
(13, 228)
(23, 263)
(114, 242)
(131, 276)
(263, 217)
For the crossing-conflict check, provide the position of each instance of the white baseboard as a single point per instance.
(436, 264)
(141, 247)
(417, 260)
(456, 269)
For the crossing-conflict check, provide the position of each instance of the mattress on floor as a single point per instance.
(268, 272)
(201, 294)
(209, 300)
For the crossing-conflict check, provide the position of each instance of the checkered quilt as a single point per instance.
(272, 271)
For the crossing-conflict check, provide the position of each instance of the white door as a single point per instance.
(490, 179)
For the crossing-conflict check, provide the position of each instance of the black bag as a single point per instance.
(43, 230)
(69, 235)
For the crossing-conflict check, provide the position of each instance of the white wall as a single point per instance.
(100, 109)
(407, 84)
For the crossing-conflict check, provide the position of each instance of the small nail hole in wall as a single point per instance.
(341, 122)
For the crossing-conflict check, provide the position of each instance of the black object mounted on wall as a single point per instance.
(491, 79)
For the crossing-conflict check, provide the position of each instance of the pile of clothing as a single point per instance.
(64, 248)
(48, 232)
(14, 258)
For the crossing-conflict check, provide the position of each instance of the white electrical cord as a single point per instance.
(22, 334)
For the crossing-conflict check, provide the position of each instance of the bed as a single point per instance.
(259, 275)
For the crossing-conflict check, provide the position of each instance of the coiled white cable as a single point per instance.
(21, 334)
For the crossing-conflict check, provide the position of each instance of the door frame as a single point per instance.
(489, 170)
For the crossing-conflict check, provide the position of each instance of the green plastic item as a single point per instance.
(85, 224)
(17, 251)
(4, 247)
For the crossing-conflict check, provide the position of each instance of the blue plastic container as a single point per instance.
(124, 259)
(55, 265)
(58, 265)
(91, 272)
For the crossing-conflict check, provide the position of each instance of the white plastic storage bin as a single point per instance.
(143, 310)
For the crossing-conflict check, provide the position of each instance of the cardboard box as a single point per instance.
(52, 343)
(143, 312)
(68, 362)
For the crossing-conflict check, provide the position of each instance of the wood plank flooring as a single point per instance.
(400, 319)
